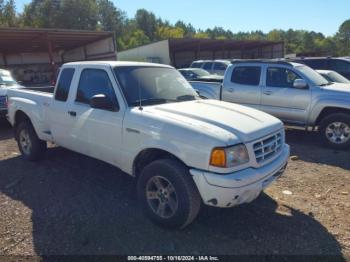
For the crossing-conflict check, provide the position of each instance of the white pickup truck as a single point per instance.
(147, 120)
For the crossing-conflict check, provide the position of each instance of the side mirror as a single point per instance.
(101, 101)
(300, 84)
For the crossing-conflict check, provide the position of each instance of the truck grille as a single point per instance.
(3, 102)
(268, 147)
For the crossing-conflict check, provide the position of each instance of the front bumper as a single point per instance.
(239, 187)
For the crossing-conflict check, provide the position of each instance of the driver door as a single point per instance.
(281, 99)
(98, 131)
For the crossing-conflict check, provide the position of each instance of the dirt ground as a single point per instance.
(72, 204)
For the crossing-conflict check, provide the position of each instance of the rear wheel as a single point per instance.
(168, 194)
(31, 147)
(335, 131)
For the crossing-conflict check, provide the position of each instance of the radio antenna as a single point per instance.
(140, 96)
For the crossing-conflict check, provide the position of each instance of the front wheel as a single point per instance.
(335, 131)
(31, 147)
(167, 193)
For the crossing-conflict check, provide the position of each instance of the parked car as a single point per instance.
(6, 82)
(340, 65)
(217, 67)
(293, 92)
(333, 76)
(147, 120)
(197, 74)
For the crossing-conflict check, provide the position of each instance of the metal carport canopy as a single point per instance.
(14, 40)
(191, 44)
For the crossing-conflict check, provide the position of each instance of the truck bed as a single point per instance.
(46, 89)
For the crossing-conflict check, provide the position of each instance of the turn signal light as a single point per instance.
(218, 157)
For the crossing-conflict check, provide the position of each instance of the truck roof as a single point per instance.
(116, 63)
(266, 61)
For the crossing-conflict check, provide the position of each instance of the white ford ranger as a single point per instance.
(147, 120)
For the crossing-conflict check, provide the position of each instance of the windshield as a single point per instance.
(316, 78)
(335, 77)
(6, 78)
(151, 85)
(200, 72)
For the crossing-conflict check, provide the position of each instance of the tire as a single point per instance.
(184, 193)
(31, 147)
(340, 139)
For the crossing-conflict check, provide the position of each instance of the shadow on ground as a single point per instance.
(308, 147)
(5, 130)
(83, 206)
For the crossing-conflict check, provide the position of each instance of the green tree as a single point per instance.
(165, 32)
(110, 17)
(147, 22)
(77, 14)
(188, 29)
(8, 15)
(343, 38)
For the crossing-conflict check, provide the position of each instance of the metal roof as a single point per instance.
(14, 40)
(190, 44)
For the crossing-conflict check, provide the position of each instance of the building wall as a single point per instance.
(156, 52)
(100, 50)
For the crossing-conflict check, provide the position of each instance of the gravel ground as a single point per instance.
(72, 204)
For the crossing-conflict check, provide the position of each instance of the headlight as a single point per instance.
(229, 156)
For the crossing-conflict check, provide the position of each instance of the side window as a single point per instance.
(246, 75)
(94, 82)
(63, 84)
(208, 66)
(280, 77)
(220, 66)
(339, 65)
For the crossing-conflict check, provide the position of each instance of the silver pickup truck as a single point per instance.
(293, 92)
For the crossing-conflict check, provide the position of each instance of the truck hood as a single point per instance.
(227, 122)
(338, 87)
(3, 88)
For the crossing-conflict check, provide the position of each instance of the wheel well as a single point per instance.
(329, 111)
(20, 116)
(147, 156)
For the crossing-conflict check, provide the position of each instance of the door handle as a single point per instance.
(72, 113)
(268, 92)
(230, 90)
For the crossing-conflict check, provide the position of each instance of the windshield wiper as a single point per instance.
(187, 98)
(327, 84)
(151, 101)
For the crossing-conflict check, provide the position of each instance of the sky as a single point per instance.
(323, 16)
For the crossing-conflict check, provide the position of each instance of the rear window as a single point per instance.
(246, 75)
(220, 66)
(208, 66)
(316, 63)
(63, 84)
(340, 65)
(196, 65)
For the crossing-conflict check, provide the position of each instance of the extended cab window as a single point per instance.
(63, 84)
(246, 75)
(94, 82)
(280, 77)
